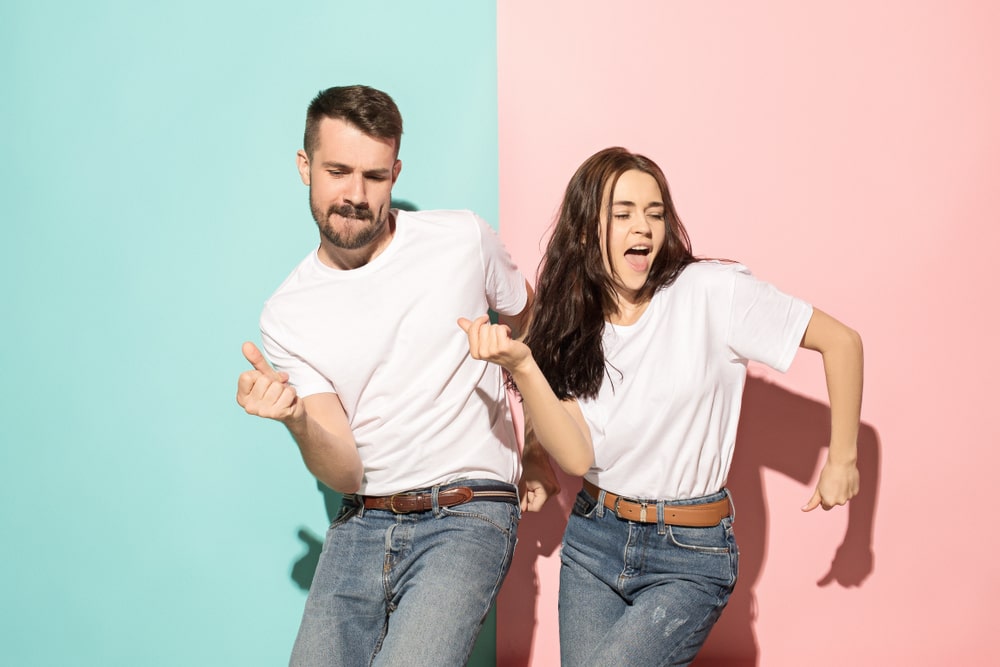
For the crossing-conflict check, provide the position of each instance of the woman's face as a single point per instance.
(634, 234)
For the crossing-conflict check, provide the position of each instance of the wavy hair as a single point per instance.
(575, 292)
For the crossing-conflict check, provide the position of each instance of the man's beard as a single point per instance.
(359, 236)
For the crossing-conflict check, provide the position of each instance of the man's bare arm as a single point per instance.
(318, 423)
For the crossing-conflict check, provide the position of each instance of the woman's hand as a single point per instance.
(838, 483)
(493, 342)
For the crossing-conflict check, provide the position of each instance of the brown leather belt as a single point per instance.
(693, 516)
(421, 501)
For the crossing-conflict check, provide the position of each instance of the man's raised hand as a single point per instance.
(265, 392)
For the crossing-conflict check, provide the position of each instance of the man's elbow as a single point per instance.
(352, 487)
(577, 467)
(340, 481)
(519, 323)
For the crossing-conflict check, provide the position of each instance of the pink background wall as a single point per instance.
(850, 153)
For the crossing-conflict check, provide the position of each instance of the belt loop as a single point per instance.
(732, 505)
(600, 503)
(661, 526)
(434, 500)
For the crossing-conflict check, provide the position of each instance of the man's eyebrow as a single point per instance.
(379, 172)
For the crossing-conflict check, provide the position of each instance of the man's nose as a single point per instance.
(356, 194)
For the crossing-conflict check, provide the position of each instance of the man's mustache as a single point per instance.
(349, 211)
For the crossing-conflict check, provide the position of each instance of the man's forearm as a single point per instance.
(332, 460)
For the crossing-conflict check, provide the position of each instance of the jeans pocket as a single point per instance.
(711, 540)
(584, 505)
(501, 515)
(344, 515)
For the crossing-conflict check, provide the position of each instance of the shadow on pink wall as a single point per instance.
(779, 431)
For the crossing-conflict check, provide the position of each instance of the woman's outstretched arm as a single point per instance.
(843, 363)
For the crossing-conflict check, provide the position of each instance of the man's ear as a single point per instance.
(396, 168)
(303, 163)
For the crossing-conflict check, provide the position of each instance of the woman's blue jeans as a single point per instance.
(406, 589)
(640, 594)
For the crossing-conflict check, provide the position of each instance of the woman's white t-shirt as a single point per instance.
(664, 423)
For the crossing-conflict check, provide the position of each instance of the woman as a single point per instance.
(632, 375)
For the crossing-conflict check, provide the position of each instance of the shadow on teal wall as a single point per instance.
(150, 205)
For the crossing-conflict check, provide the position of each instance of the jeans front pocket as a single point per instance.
(713, 539)
(584, 505)
(711, 551)
(344, 514)
(501, 515)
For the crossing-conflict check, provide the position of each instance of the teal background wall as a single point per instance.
(150, 204)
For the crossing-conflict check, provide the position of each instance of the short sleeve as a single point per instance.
(306, 379)
(766, 325)
(505, 290)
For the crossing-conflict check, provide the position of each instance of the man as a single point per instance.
(374, 382)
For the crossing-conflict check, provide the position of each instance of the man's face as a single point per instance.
(350, 177)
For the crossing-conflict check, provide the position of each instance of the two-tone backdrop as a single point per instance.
(848, 153)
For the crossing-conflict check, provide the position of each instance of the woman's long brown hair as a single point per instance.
(575, 293)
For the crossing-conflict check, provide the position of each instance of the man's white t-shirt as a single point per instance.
(664, 423)
(384, 338)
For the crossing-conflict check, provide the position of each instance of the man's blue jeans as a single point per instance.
(640, 594)
(406, 589)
